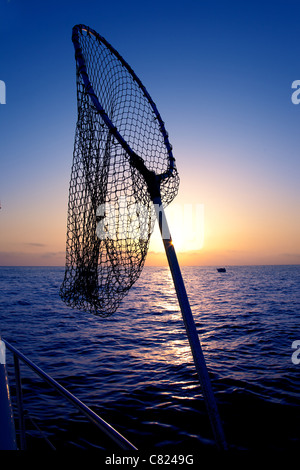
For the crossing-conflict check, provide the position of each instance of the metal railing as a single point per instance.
(100, 423)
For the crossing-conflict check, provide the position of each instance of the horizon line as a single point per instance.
(156, 265)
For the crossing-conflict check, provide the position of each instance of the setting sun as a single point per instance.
(186, 223)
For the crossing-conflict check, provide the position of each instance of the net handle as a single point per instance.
(135, 160)
(192, 334)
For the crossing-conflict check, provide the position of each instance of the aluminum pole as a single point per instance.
(190, 326)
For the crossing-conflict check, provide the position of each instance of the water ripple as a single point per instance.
(135, 368)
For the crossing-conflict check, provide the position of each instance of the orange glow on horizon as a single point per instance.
(225, 231)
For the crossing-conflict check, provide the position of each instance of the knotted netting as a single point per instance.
(120, 144)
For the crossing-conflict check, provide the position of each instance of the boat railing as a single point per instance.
(99, 422)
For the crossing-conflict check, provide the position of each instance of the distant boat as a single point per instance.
(221, 270)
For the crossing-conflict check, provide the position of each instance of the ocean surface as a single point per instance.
(135, 368)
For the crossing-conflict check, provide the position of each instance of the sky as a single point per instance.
(221, 75)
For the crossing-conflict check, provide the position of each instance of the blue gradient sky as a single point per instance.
(220, 73)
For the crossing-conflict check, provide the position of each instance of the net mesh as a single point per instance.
(110, 211)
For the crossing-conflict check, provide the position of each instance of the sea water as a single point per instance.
(135, 368)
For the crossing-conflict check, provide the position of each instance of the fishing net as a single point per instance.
(120, 145)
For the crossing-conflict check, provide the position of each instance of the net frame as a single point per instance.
(135, 160)
(99, 274)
